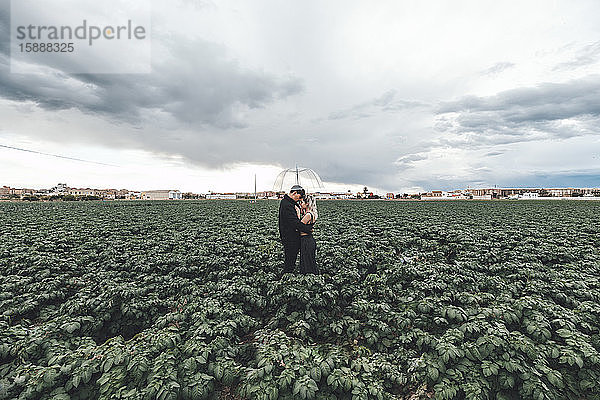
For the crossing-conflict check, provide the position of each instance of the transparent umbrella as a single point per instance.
(305, 177)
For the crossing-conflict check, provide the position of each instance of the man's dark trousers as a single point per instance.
(290, 250)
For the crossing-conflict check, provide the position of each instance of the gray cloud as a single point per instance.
(202, 104)
(497, 68)
(195, 100)
(387, 102)
(548, 111)
(586, 55)
(199, 85)
(4, 27)
(409, 160)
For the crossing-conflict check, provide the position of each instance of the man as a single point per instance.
(290, 227)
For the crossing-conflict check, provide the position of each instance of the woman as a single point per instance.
(308, 246)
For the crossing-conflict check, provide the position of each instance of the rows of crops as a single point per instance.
(185, 300)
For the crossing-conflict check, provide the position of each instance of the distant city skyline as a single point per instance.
(63, 187)
(398, 96)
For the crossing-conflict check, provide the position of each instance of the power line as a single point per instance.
(57, 156)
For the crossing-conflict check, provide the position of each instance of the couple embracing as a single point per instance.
(297, 216)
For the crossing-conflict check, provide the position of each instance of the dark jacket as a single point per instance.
(289, 224)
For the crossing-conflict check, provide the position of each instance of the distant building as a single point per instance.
(21, 192)
(107, 194)
(516, 193)
(322, 196)
(560, 192)
(458, 195)
(438, 195)
(83, 192)
(269, 194)
(4, 191)
(175, 195)
(161, 195)
(221, 196)
(334, 195)
(343, 195)
(495, 193)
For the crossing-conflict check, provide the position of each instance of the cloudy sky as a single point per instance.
(394, 95)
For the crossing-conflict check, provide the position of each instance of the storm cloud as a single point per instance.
(195, 83)
(547, 111)
(375, 96)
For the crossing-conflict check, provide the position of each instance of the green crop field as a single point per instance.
(185, 300)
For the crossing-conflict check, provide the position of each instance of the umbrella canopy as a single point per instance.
(305, 177)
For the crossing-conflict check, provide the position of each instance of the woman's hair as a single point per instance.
(311, 205)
